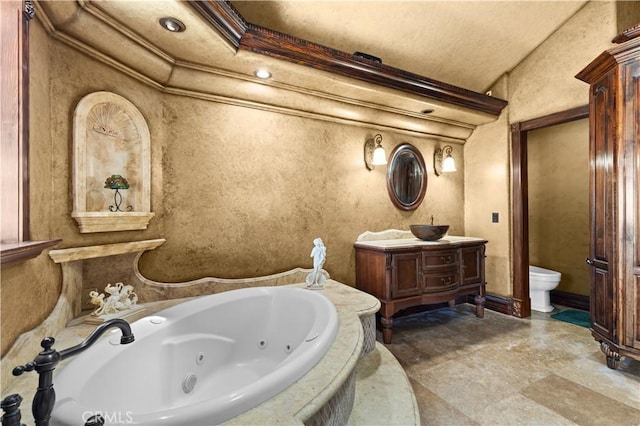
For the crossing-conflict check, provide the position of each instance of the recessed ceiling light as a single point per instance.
(263, 73)
(172, 24)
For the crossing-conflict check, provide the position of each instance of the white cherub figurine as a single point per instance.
(316, 279)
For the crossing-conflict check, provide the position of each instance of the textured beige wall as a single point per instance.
(246, 191)
(543, 83)
(558, 166)
(237, 192)
(487, 191)
(59, 78)
(30, 289)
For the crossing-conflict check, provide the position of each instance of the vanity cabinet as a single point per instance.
(404, 273)
(614, 252)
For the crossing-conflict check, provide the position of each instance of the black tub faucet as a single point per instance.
(47, 360)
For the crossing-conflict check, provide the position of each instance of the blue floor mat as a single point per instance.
(581, 318)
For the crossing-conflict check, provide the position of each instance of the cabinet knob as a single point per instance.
(446, 259)
(589, 261)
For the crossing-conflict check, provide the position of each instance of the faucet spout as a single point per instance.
(47, 360)
(127, 337)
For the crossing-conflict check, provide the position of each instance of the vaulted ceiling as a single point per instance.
(465, 43)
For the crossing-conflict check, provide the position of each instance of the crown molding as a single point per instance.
(253, 38)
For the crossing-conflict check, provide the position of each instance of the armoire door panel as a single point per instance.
(602, 294)
(632, 196)
(603, 172)
(602, 203)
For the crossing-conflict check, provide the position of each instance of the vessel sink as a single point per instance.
(429, 232)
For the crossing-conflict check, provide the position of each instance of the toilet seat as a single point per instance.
(543, 274)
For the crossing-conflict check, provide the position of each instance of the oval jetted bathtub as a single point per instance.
(201, 362)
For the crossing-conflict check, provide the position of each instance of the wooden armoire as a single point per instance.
(614, 253)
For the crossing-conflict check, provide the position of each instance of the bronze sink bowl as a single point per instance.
(429, 232)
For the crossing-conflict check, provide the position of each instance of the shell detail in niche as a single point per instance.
(111, 120)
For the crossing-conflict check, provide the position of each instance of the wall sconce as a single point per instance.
(446, 164)
(374, 154)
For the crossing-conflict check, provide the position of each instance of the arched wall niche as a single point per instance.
(111, 165)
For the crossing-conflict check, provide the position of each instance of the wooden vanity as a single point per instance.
(405, 272)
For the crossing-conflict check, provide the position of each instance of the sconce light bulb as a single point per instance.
(379, 156)
(448, 164)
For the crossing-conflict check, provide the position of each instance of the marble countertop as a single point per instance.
(413, 242)
(292, 406)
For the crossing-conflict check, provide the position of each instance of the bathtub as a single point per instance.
(201, 362)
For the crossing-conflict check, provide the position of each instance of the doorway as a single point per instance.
(520, 201)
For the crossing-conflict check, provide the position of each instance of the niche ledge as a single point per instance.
(108, 221)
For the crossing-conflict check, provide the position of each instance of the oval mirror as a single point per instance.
(406, 177)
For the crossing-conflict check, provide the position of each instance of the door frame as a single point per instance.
(520, 200)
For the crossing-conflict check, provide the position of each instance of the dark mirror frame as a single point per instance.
(391, 168)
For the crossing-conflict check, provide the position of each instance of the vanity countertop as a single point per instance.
(413, 242)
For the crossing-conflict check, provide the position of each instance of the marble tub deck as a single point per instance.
(380, 381)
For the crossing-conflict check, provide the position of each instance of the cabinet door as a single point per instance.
(405, 275)
(472, 265)
(602, 170)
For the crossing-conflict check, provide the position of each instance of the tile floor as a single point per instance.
(502, 370)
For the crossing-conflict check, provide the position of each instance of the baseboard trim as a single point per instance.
(570, 300)
(504, 305)
(501, 304)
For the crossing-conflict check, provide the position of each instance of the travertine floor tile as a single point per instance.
(503, 370)
(595, 375)
(467, 389)
(436, 411)
(517, 410)
(579, 403)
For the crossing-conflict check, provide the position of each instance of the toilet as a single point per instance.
(541, 282)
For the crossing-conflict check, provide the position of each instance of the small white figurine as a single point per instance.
(121, 297)
(316, 279)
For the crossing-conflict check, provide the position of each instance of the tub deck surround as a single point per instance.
(385, 395)
(83, 269)
(404, 272)
(68, 307)
(295, 405)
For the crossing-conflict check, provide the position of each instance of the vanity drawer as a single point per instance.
(437, 259)
(441, 281)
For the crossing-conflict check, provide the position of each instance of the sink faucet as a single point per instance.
(47, 360)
